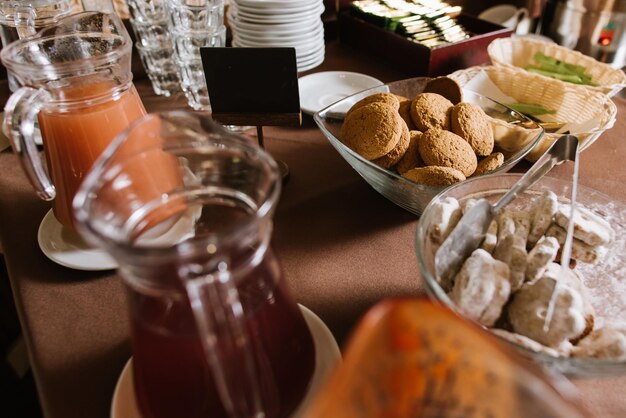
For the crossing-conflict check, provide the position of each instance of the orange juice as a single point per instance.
(145, 174)
(76, 136)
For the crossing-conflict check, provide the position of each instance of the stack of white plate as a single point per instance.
(280, 23)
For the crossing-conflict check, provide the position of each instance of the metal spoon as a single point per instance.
(471, 229)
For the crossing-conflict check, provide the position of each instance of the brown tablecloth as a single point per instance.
(343, 247)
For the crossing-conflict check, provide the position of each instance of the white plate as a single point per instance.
(278, 18)
(319, 90)
(327, 354)
(311, 62)
(275, 5)
(316, 33)
(315, 49)
(279, 5)
(264, 35)
(278, 11)
(280, 28)
(304, 42)
(67, 248)
(318, 58)
(310, 55)
(303, 48)
(302, 67)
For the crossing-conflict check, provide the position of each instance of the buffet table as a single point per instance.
(343, 247)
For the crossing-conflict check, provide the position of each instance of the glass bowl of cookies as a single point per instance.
(571, 319)
(410, 139)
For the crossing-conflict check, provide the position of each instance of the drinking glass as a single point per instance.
(187, 55)
(154, 45)
(214, 329)
(78, 88)
(160, 68)
(196, 15)
(194, 24)
(147, 10)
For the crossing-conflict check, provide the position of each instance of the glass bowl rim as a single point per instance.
(572, 366)
(320, 119)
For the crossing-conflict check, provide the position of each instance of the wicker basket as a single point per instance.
(519, 52)
(571, 102)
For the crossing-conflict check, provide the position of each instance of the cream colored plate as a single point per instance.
(319, 90)
(67, 248)
(327, 354)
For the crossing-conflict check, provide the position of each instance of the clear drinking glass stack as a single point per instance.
(193, 24)
(149, 20)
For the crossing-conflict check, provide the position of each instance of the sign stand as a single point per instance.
(253, 86)
(282, 166)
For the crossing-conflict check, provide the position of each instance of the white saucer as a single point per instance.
(275, 5)
(311, 59)
(310, 65)
(327, 354)
(280, 28)
(302, 47)
(67, 248)
(316, 58)
(279, 18)
(264, 36)
(321, 89)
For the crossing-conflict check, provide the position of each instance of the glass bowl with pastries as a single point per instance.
(412, 138)
(570, 318)
(560, 107)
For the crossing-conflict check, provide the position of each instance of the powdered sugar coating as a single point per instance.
(606, 279)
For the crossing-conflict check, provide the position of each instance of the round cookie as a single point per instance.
(372, 130)
(393, 156)
(446, 149)
(405, 112)
(434, 175)
(489, 163)
(411, 157)
(385, 98)
(470, 123)
(430, 110)
(446, 87)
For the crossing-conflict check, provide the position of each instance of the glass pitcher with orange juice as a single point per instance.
(214, 330)
(77, 87)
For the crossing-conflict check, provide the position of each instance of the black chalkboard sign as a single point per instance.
(253, 86)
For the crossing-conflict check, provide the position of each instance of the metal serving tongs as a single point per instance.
(472, 228)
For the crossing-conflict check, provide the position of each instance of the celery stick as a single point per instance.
(563, 77)
(578, 69)
(531, 109)
(541, 58)
(560, 70)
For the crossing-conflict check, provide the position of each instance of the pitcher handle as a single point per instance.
(219, 316)
(20, 118)
(25, 21)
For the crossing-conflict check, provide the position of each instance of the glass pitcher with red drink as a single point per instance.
(214, 330)
(77, 92)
